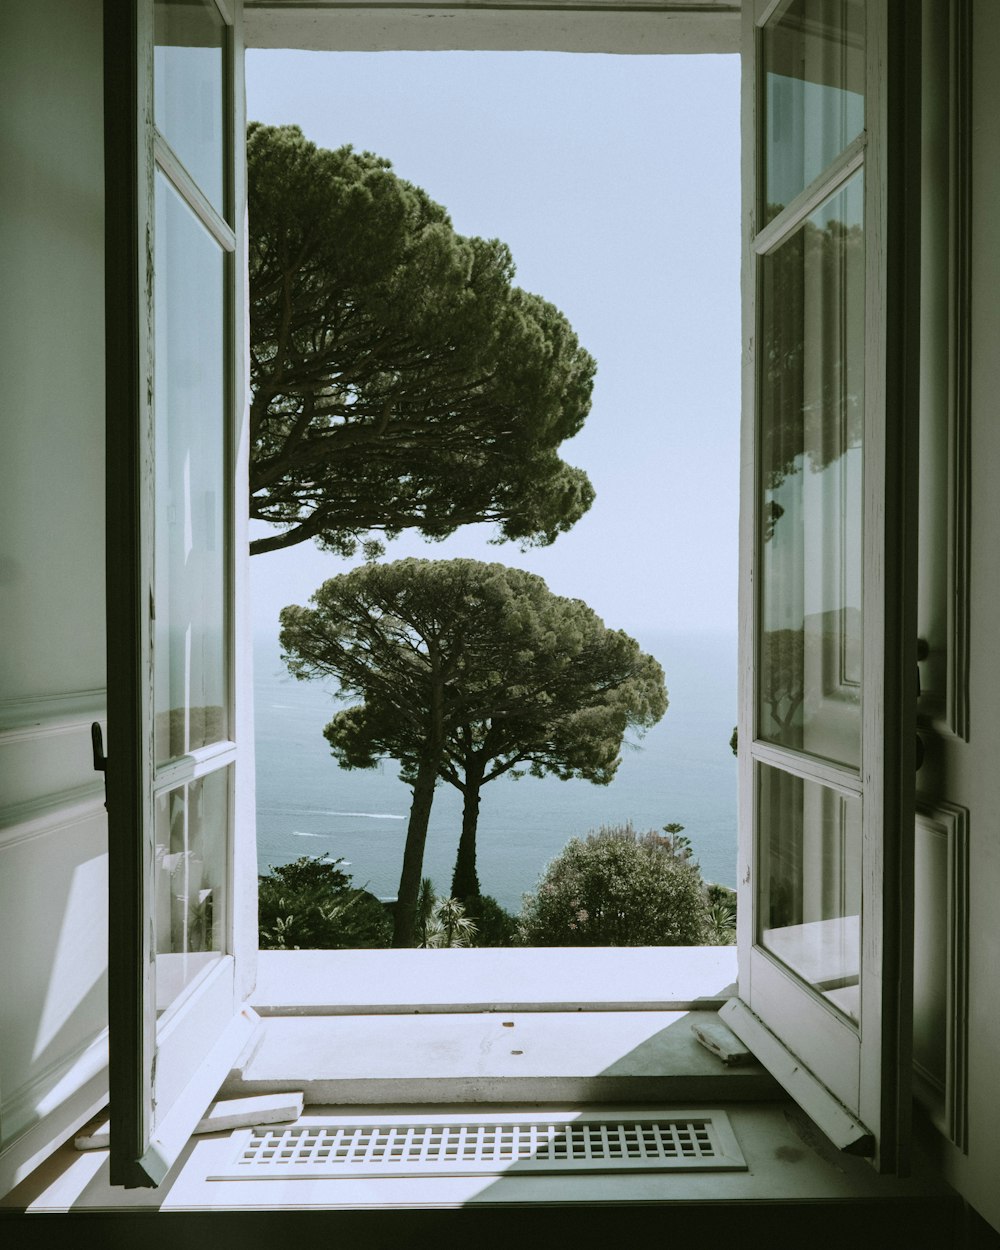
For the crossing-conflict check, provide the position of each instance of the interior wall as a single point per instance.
(53, 840)
(962, 766)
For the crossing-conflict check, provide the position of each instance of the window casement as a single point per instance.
(181, 937)
(828, 645)
(827, 542)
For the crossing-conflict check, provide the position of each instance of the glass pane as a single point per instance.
(188, 73)
(190, 873)
(190, 655)
(813, 59)
(811, 413)
(809, 883)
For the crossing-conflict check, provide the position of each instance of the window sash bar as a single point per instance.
(799, 764)
(807, 201)
(170, 166)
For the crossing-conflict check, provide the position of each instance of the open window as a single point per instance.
(828, 648)
(179, 776)
(827, 640)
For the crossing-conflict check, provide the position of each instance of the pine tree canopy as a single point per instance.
(398, 379)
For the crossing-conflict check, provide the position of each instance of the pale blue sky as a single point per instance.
(615, 182)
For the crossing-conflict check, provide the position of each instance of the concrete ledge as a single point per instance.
(520, 1058)
(639, 26)
(385, 982)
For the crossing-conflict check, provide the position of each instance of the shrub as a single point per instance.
(495, 925)
(441, 923)
(721, 915)
(310, 904)
(618, 888)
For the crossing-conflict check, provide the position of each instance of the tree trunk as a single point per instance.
(405, 918)
(465, 881)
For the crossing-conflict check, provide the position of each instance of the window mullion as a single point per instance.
(173, 170)
(807, 201)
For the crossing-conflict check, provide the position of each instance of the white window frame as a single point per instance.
(598, 29)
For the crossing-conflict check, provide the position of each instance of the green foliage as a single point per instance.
(469, 670)
(399, 380)
(442, 922)
(494, 924)
(310, 904)
(722, 915)
(618, 888)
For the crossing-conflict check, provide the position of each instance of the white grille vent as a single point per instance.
(445, 1147)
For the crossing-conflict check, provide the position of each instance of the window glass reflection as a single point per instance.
(188, 73)
(813, 57)
(190, 659)
(809, 883)
(191, 824)
(811, 416)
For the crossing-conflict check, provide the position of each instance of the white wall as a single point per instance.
(53, 872)
(967, 773)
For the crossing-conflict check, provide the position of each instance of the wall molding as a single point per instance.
(947, 1100)
(23, 821)
(46, 714)
(19, 1111)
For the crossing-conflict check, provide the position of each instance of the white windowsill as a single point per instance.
(318, 990)
(645, 978)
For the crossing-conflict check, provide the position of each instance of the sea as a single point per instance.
(682, 770)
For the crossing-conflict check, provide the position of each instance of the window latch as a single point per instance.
(100, 759)
(923, 651)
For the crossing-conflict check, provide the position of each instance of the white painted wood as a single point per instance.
(811, 197)
(53, 901)
(807, 767)
(188, 1106)
(961, 767)
(224, 1115)
(156, 1063)
(61, 810)
(36, 1144)
(194, 197)
(818, 1102)
(53, 986)
(746, 689)
(41, 763)
(48, 712)
(51, 255)
(721, 1040)
(649, 26)
(941, 958)
(858, 1064)
(960, 416)
(364, 983)
(241, 936)
(818, 1034)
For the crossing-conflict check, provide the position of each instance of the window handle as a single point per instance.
(100, 759)
(923, 651)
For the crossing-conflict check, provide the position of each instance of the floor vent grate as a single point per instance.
(446, 1147)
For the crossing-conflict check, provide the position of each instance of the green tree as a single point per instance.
(442, 923)
(401, 637)
(310, 904)
(529, 682)
(721, 915)
(582, 687)
(618, 888)
(398, 378)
